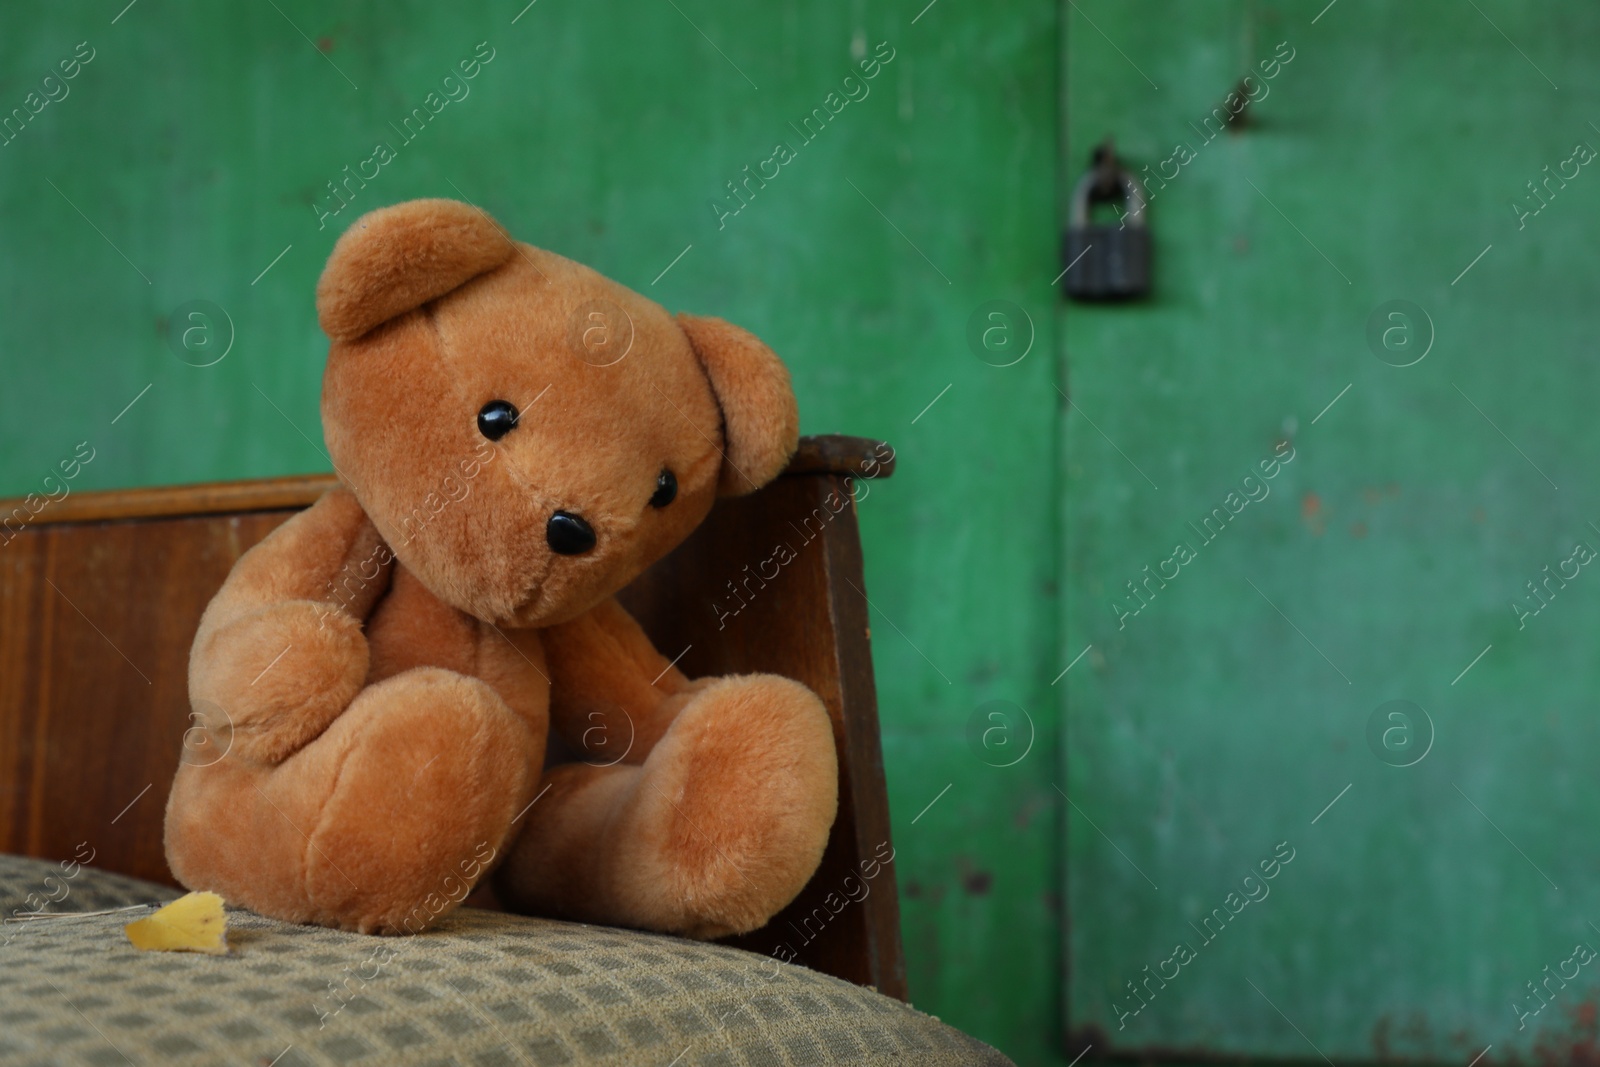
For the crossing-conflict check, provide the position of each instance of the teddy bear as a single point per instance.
(391, 670)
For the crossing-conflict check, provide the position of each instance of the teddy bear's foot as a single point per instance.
(383, 824)
(720, 827)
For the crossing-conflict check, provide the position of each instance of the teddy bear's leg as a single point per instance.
(719, 827)
(382, 824)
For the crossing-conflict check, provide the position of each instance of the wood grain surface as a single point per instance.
(826, 454)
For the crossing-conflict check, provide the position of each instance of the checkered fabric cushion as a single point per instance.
(482, 989)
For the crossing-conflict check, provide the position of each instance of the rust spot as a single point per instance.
(1577, 1048)
(1311, 513)
(1372, 495)
(1358, 529)
(1581, 1053)
(913, 889)
(1478, 515)
(977, 883)
(324, 45)
(1033, 806)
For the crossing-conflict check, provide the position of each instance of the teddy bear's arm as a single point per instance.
(610, 690)
(413, 628)
(280, 651)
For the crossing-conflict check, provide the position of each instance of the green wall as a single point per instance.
(198, 138)
(1234, 707)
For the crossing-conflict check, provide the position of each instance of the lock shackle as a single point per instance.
(1132, 195)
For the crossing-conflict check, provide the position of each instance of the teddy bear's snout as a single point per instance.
(569, 534)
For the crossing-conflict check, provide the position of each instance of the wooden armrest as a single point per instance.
(860, 457)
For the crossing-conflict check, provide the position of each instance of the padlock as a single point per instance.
(1107, 260)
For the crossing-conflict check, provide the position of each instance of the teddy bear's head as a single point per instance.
(526, 435)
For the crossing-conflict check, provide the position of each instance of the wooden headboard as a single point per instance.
(100, 595)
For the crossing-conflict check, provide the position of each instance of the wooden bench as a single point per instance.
(100, 595)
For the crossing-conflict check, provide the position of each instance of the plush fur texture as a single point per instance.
(383, 671)
(393, 261)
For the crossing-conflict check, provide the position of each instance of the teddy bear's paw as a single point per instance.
(735, 805)
(428, 770)
(275, 678)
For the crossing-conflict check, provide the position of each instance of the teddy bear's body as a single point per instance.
(391, 663)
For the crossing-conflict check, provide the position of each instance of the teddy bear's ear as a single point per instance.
(760, 418)
(398, 258)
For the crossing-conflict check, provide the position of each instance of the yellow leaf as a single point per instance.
(192, 923)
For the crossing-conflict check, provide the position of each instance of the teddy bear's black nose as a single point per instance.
(568, 534)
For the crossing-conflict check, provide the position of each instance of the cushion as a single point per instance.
(483, 988)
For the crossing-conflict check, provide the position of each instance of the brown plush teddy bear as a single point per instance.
(391, 661)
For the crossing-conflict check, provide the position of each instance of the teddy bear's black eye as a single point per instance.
(666, 490)
(496, 419)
